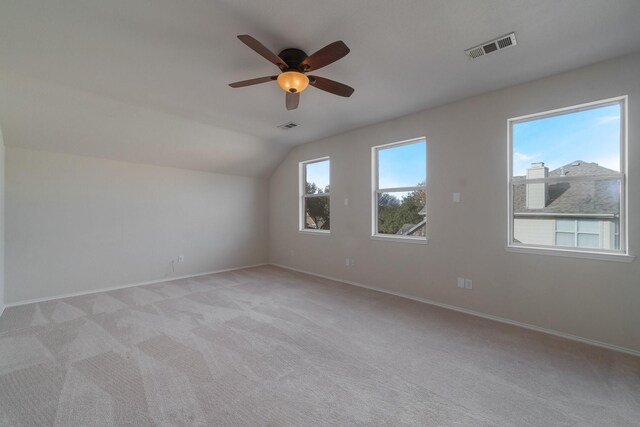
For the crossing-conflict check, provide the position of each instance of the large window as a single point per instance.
(399, 190)
(567, 179)
(314, 195)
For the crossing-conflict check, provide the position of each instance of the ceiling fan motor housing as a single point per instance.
(293, 58)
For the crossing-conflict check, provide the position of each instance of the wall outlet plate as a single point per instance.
(181, 258)
(460, 282)
(468, 284)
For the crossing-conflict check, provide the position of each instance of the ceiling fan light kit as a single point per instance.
(293, 81)
(294, 64)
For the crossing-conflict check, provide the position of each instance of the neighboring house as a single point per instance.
(311, 224)
(419, 229)
(572, 214)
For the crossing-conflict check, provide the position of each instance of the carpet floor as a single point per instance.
(267, 346)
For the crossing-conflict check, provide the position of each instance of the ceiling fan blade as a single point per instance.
(331, 86)
(292, 100)
(325, 56)
(250, 82)
(262, 50)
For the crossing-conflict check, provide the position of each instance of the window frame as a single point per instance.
(375, 190)
(302, 169)
(621, 254)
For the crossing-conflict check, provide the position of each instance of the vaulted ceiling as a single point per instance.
(146, 81)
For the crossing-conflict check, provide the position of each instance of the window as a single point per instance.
(578, 233)
(399, 190)
(567, 179)
(314, 195)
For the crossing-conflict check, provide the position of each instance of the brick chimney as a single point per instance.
(537, 193)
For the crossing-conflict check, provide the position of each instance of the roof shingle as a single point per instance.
(574, 197)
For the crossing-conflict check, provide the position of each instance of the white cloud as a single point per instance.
(612, 163)
(607, 119)
(524, 157)
(521, 161)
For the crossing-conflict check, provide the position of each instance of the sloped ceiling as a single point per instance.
(146, 81)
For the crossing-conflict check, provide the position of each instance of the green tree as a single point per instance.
(317, 208)
(386, 199)
(393, 214)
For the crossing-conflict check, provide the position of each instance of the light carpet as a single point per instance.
(267, 346)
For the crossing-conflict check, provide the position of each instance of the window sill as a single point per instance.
(569, 253)
(388, 238)
(316, 232)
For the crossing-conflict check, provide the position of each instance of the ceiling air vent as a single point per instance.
(492, 46)
(289, 125)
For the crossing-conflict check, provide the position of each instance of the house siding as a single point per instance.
(541, 231)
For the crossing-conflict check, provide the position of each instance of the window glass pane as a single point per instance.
(588, 226)
(583, 142)
(588, 241)
(402, 213)
(317, 175)
(566, 225)
(402, 165)
(538, 225)
(316, 213)
(585, 208)
(566, 239)
(613, 229)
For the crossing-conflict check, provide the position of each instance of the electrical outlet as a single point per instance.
(468, 284)
(461, 282)
(292, 252)
(181, 258)
(349, 262)
(456, 197)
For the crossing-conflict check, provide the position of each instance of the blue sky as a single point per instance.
(402, 166)
(591, 135)
(318, 173)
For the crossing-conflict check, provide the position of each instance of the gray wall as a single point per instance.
(77, 224)
(2, 167)
(467, 153)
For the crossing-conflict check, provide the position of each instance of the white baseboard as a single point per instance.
(476, 313)
(112, 288)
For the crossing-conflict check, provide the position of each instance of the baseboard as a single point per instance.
(476, 313)
(1, 310)
(113, 288)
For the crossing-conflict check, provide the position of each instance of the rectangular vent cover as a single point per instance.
(287, 126)
(492, 46)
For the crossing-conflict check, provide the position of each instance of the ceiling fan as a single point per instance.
(294, 64)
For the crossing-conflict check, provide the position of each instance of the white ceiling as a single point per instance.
(100, 73)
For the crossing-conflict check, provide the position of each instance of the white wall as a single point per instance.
(42, 116)
(467, 153)
(78, 224)
(2, 167)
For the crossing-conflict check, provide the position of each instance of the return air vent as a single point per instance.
(492, 46)
(289, 125)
